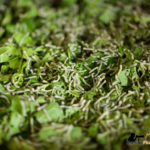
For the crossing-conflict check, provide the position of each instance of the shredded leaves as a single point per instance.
(74, 74)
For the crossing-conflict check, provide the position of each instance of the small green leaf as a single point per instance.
(70, 111)
(102, 138)
(16, 105)
(76, 133)
(121, 50)
(33, 12)
(41, 100)
(4, 69)
(2, 88)
(73, 93)
(89, 95)
(16, 120)
(5, 78)
(8, 52)
(123, 77)
(73, 50)
(15, 63)
(54, 112)
(46, 132)
(108, 15)
(22, 39)
(8, 17)
(93, 130)
(4, 55)
(114, 95)
(47, 57)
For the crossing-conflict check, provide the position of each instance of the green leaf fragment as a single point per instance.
(108, 15)
(123, 77)
(102, 138)
(22, 39)
(15, 123)
(73, 93)
(89, 95)
(76, 133)
(46, 132)
(7, 19)
(73, 50)
(53, 113)
(41, 100)
(71, 111)
(93, 130)
(18, 106)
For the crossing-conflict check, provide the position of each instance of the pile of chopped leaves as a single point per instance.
(74, 74)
